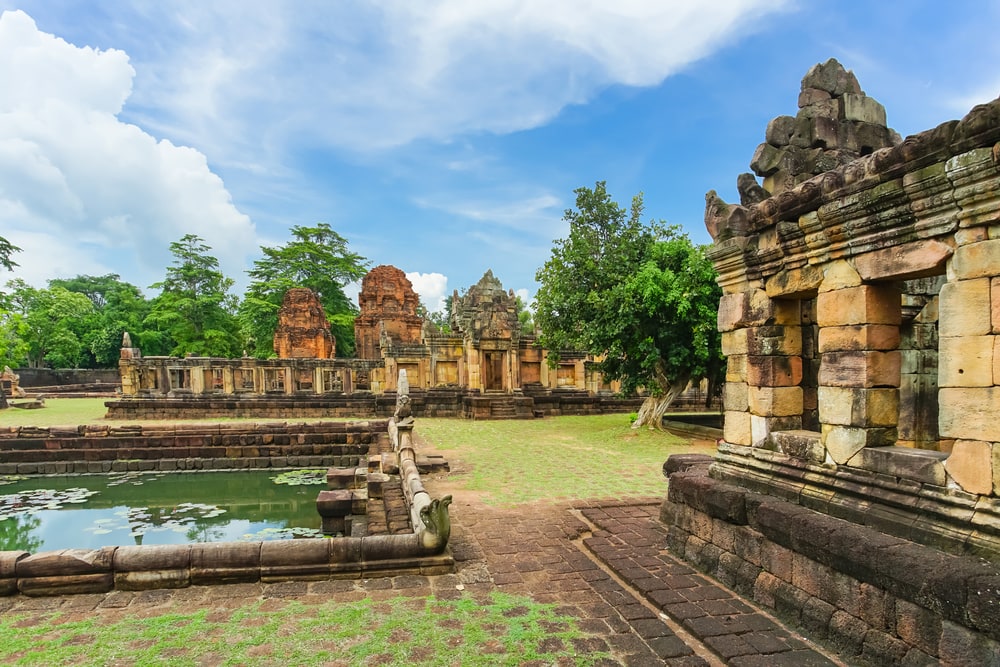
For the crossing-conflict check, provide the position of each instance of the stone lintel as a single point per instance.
(903, 262)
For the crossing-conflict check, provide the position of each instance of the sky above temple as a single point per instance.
(445, 138)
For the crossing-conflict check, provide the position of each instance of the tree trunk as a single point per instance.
(654, 407)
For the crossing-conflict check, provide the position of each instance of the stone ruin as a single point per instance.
(303, 331)
(388, 317)
(856, 489)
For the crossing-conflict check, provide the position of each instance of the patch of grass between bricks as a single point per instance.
(505, 630)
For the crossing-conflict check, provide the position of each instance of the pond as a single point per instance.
(91, 511)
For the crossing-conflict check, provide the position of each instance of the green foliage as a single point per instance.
(643, 296)
(120, 307)
(6, 250)
(194, 307)
(317, 258)
(46, 327)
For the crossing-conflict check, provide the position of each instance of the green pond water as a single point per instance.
(91, 511)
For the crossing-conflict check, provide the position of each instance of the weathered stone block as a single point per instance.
(799, 444)
(965, 308)
(918, 626)
(976, 260)
(971, 466)
(810, 96)
(839, 275)
(859, 337)
(863, 108)
(773, 371)
(961, 646)
(779, 130)
(995, 304)
(755, 308)
(766, 159)
(736, 368)
(734, 342)
(775, 401)
(912, 260)
(736, 428)
(920, 465)
(860, 369)
(852, 406)
(794, 283)
(774, 340)
(864, 304)
(967, 361)
(969, 413)
(735, 397)
(842, 443)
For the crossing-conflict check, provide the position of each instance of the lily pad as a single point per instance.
(29, 502)
(268, 534)
(301, 477)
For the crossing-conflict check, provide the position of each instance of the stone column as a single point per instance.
(762, 341)
(969, 366)
(859, 372)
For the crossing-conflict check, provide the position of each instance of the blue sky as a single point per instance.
(445, 138)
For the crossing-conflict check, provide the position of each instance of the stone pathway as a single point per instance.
(604, 563)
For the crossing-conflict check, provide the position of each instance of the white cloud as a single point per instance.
(80, 190)
(432, 288)
(368, 76)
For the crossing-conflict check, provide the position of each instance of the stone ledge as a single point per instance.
(944, 518)
(958, 588)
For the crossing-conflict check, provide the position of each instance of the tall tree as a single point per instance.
(317, 258)
(641, 298)
(194, 307)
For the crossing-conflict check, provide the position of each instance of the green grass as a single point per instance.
(57, 412)
(506, 630)
(595, 457)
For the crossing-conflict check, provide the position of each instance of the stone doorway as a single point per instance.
(493, 371)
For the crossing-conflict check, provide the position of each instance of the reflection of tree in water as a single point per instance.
(16, 533)
(205, 533)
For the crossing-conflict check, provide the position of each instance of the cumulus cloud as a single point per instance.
(431, 287)
(81, 190)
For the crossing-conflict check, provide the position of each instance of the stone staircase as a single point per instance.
(502, 408)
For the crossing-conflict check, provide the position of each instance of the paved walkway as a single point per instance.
(604, 563)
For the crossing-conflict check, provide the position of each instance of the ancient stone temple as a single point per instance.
(486, 316)
(856, 490)
(388, 313)
(303, 331)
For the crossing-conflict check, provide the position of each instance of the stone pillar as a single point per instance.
(228, 380)
(859, 373)
(969, 365)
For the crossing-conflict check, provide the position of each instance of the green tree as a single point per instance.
(641, 298)
(194, 307)
(6, 250)
(47, 326)
(119, 307)
(317, 258)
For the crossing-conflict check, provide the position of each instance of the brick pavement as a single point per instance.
(605, 564)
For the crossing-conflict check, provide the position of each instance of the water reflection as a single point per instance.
(175, 508)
